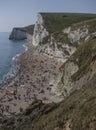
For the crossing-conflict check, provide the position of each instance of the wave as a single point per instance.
(15, 66)
(26, 48)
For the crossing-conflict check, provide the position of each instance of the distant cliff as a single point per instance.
(18, 34)
(21, 33)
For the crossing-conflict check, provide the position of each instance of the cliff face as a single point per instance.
(40, 31)
(18, 34)
(77, 71)
(46, 41)
(62, 44)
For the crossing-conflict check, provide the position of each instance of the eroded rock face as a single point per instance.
(51, 49)
(64, 86)
(18, 34)
(39, 31)
(78, 34)
(63, 50)
(57, 49)
(93, 35)
(75, 35)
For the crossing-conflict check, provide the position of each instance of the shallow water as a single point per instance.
(8, 50)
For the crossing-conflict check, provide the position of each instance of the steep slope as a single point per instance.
(59, 35)
(84, 62)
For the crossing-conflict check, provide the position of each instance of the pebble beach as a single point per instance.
(30, 83)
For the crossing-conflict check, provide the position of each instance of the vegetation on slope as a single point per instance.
(29, 29)
(83, 57)
(55, 22)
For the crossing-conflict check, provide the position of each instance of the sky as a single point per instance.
(19, 13)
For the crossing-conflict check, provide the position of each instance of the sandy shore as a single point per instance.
(30, 83)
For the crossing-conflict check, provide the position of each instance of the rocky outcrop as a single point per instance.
(40, 31)
(60, 51)
(18, 34)
(93, 35)
(64, 86)
(75, 35)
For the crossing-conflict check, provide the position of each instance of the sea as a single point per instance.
(9, 52)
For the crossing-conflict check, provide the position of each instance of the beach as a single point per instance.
(30, 83)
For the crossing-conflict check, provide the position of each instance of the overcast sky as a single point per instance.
(18, 13)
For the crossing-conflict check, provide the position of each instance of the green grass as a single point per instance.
(29, 29)
(83, 57)
(61, 37)
(55, 22)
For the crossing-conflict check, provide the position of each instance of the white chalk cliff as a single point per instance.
(18, 34)
(75, 34)
(39, 31)
(57, 49)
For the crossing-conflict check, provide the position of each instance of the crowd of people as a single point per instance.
(32, 82)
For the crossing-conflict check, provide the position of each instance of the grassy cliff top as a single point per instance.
(29, 29)
(57, 21)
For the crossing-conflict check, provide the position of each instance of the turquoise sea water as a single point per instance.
(8, 50)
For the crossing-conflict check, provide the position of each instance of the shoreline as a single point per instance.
(15, 66)
(31, 82)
